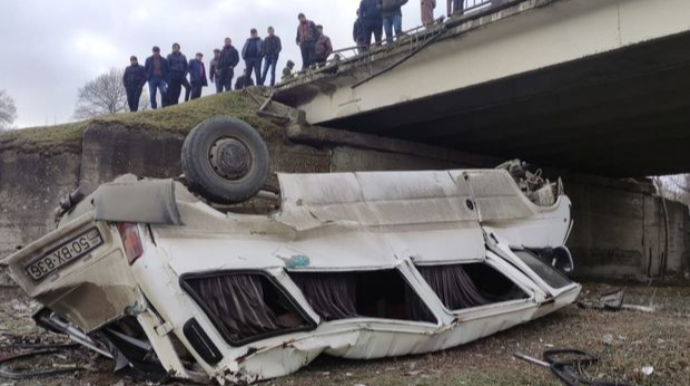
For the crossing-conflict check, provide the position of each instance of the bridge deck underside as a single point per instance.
(625, 113)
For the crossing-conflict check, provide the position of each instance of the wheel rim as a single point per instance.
(230, 159)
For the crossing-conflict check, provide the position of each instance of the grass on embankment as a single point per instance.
(178, 119)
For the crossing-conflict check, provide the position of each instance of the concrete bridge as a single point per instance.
(598, 86)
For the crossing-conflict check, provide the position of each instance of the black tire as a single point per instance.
(225, 160)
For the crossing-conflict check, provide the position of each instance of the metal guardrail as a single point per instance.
(416, 35)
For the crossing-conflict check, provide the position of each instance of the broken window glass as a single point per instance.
(466, 286)
(549, 274)
(245, 307)
(372, 294)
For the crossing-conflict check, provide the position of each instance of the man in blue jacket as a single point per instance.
(252, 53)
(392, 17)
(156, 74)
(177, 74)
(197, 75)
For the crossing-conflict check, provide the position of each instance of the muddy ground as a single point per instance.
(627, 341)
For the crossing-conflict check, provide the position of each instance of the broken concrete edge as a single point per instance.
(320, 136)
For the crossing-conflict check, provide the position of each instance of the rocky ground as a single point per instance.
(627, 341)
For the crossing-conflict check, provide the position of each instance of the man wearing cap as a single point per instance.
(134, 80)
(156, 74)
(177, 74)
(213, 72)
(197, 75)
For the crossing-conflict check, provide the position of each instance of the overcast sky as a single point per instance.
(52, 47)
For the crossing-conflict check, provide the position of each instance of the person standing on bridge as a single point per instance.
(391, 12)
(306, 39)
(252, 53)
(373, 23)
(156, 74)
(229, 58)
(197, 75)
(323, 48)
(272, 48)
(177, 74)
(455, 7)
(213, 71)
(428, 7)
(134, 80)
(358, 33)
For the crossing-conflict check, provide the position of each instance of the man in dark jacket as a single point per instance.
(391, 13)
(197, 75)
(323, 48)
(177, 74)
(213, 72)
(134, 80)
(272, 48)
(306, 39)
(229, 58)
(244, 81)
(358, 32)
(252, 53)
(373, 23)
(156, 74)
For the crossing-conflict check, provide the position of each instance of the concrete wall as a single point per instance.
(31, 186)
(619, 227)
(620, 231)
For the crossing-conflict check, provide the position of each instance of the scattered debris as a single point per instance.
(567, 366)
(647, 370)
(613, 301)
(39, 351)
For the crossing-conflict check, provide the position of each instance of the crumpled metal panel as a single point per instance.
(372, 199)
(147, 202)
(422, 215)
(496, 195)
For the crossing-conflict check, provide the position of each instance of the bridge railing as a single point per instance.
(417, 36)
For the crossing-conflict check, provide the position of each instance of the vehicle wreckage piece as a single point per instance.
(354, 265)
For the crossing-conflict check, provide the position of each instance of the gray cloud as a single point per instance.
(53, 47)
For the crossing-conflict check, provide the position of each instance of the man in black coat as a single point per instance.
(229, 58)
(373, 21)
(134, 80)
(197, 75)
(156, 75)
(272, 48)
(177, 74)
(253, 53)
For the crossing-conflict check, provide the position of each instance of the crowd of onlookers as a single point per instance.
(168, 75)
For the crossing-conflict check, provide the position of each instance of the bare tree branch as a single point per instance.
(8, 111)
(105, 95)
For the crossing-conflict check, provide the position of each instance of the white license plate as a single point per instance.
(65, 253)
